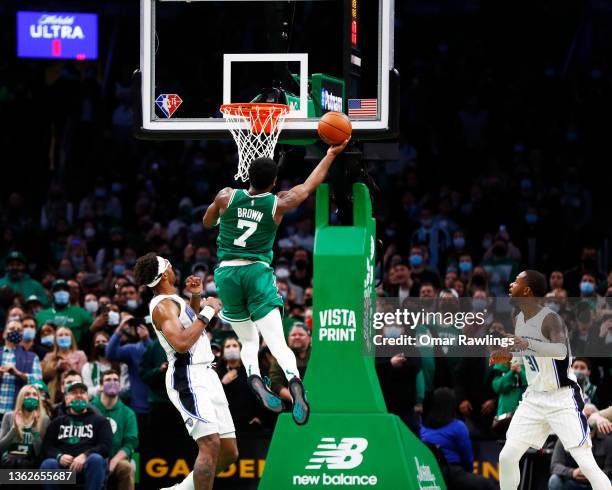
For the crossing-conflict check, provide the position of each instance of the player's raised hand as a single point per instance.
(193, 285)
(335, 150)
(214, 303)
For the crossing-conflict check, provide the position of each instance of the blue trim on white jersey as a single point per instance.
(579, 404)
(561, 368)
(195, 399)
(556, 374)
(186, 394)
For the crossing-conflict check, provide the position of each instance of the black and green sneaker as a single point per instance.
(264, 394)
(301, 409)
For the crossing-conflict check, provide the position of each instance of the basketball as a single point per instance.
(334, 128)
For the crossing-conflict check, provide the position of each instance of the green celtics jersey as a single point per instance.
(247, 229)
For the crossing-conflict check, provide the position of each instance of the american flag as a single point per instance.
(363, 107)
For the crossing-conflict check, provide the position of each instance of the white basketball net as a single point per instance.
(255, 128)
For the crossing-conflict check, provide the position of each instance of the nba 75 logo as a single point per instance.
(168, 103)
(345, 455)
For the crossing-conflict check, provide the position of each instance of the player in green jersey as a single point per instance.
(248, 220)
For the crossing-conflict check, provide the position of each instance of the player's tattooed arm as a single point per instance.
(166, 319)
(217, 207)
(290, 199)
(554, 330)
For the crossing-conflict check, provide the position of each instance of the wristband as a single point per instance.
(196, 294)
(58, 457)
(207, 312)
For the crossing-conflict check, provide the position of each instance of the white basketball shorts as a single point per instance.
(558, 412)
(197, 393)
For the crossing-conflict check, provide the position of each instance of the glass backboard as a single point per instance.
(314, 55)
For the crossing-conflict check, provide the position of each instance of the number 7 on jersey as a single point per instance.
(250, 226)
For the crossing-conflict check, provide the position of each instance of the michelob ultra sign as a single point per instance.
(61, 35)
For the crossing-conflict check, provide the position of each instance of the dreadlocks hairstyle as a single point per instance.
(146, 268)
(262, 173)
(536, 282)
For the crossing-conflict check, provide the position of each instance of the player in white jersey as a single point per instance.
(192, 384)
(553, 401)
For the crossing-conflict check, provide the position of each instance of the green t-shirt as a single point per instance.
(247, 229)
(425, 377)
(123, 423)
(154, 356)
(509, 386)
(451, 355)
(75, 318)
(25, 446)
(26, 286)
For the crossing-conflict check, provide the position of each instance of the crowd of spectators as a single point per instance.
(491, 179)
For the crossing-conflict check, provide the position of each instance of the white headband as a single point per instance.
(162, 266)
(452, 291)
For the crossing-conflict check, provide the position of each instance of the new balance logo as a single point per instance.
(345, 455)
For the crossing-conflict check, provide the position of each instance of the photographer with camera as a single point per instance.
(128, 344)
(108, 319)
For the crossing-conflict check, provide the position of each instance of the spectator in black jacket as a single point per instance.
(68, 378)
(79, 440)
(244, 406)
(477, 400)
(397, 377)
(584, 340)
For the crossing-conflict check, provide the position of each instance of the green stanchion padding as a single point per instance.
(339, 377)
(350, 440)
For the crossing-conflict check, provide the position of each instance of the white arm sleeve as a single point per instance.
(546, 349)
(92, 389)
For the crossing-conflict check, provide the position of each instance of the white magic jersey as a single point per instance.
(543, 373)
(200, 352)
(192, 384)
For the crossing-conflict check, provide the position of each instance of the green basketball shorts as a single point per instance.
(248, 292)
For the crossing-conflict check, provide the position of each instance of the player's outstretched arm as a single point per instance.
(166, 318)
(295, 196)
(217, 207)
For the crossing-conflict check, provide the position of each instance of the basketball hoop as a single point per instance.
(255, 128)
